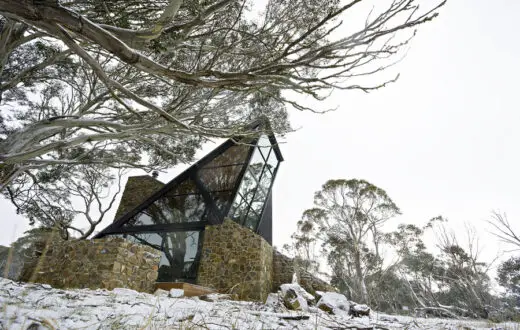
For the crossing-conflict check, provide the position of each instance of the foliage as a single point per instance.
(14, 260)
(346, 222)
(142, 85)
(508, 275)
(72, 199)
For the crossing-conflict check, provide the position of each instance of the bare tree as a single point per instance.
(161, 76)
(504, 230)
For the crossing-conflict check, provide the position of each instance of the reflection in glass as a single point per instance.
(237, 179)
(222, 199)
(181, 252)
(257, 163)
(251, 220)
(185, 187)
(171, 209)
(232, 156)
(220, 178)
(258, 202)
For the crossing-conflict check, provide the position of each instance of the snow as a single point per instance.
(176, 293)
(298, 289)
(29, 305)
(337, 302)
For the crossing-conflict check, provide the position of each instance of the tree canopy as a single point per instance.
(134, 84)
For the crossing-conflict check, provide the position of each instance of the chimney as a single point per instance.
(155, 174)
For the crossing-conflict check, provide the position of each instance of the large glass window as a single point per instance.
(251, 196)
(180, 252)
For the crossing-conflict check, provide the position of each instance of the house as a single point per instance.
(210, 226)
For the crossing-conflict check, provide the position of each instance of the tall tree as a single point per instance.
(348, 217)
(142, 84)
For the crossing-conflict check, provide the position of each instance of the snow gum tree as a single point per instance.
(127, 79)
(347, 218)
(133, 84)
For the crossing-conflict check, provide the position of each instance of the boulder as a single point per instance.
(357, 310)
(333, 303)
(273, 299)
(300, 291)
(294, 297)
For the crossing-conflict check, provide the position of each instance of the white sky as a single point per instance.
(443, 140)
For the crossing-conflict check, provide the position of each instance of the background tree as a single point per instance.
(15, 259)
(72, 200)
(163, 76)
(503, 229)
(305, 243)
(453, 282)
(348, 217)
(508, 275)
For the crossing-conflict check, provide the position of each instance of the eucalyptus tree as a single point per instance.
(162, 76)
(347, 219)
(72, 200)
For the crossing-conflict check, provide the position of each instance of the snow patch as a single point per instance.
(36, 306)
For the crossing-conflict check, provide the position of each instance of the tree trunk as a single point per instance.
(360, 278)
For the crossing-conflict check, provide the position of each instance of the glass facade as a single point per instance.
(233, 181)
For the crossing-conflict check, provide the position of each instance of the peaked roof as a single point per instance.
(233, 181)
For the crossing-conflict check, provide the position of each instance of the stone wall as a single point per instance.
(284, 268)
(102, 263)
(236, 260)
(137, 190)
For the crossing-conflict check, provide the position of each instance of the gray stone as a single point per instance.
(357, 310)
(292, 299)
(334, 303)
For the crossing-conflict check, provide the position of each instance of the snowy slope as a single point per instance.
(35, 306)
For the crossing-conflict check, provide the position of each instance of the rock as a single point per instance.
(212, 297)
(293, 297)
(357, 310)
(334, 303)
(326, 307)
(293, 301)
(176, 293)
(300, 291)
(275, 302)
(160, 293)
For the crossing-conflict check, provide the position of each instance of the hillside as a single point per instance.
(36, 306)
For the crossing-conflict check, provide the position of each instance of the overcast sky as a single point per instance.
(443, 140)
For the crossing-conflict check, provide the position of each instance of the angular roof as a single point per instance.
(233, 181)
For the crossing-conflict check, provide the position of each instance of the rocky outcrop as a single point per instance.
(334, 303)
(294, 297)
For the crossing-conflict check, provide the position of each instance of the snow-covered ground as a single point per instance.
(36, 306)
